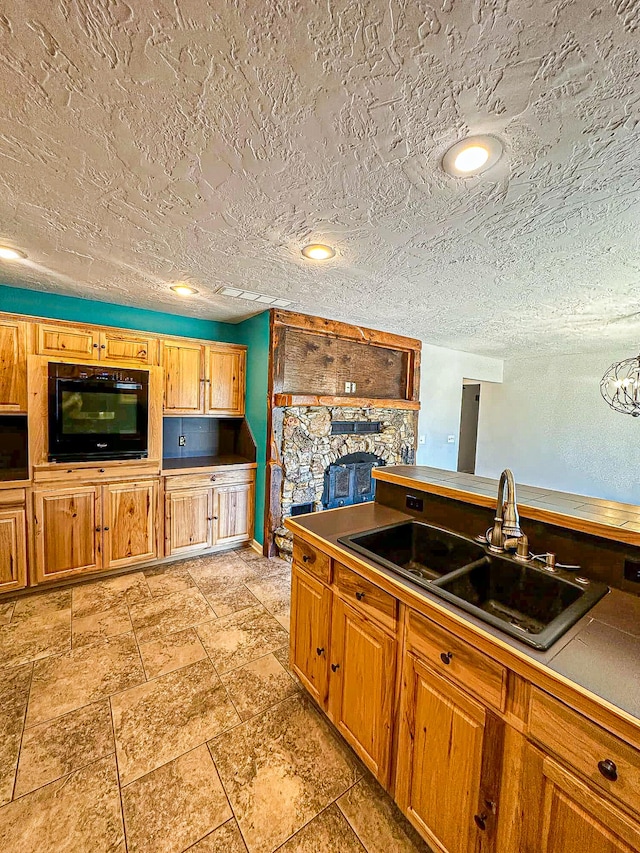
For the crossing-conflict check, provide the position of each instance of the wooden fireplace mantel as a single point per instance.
(353, 402)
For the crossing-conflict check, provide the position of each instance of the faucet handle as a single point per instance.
(522, 549)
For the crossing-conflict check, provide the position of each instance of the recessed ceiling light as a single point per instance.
(472, 156)
(318, 252)
(9, 254)
(183, 289)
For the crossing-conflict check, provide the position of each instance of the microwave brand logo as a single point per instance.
(101, 444)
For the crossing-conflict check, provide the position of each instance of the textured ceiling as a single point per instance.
(150, 141)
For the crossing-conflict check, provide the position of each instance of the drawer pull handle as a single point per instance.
(306, 558)
(335, 667)
(481, 820)
(445, 657)
(608, 769)
(359, 595)
(319, 651)
(101, 471)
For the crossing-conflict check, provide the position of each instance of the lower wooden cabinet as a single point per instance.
(188, 521)
(361, 696)
(440, 759)
(564, 815)
(310, 633)
(13, 549)
(88, 528)
(129, 523)
(199, 517)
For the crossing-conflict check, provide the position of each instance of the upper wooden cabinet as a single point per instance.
(201, 379)
(183, 377)
(225, 381)
(91, 344)
(13, 366)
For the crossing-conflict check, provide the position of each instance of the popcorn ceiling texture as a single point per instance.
(149, 141)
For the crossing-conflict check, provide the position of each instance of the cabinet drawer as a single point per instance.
(586, 747)
(459, 661)
(12, 497)
(366, 597)
(314, 561)
(207, 478)
(59, 473)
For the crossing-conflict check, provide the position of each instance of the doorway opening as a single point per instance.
(468, 426)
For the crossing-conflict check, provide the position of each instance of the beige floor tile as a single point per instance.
(105, 594)
(230, 599)
(281, 769)
(171, 652)
(168, 579)
(234, 640)
(273, 591)
(258, 685)
(42, 604)
(97, 627)
(34, 637)
(66, 682)
(160, 720)
(215, 574)
(282, 655)
(174, 806)
(225, 839)
(155, 618)
(14, 692)
(55, 748)
(377, 821)
(79, 813)
(6, 611)
(247, 553)
(327, 833)
(284, 618)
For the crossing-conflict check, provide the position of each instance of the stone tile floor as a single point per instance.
(154, 712)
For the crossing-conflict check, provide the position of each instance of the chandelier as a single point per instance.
(620, 386)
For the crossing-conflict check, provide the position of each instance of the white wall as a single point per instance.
(549, 424)
(442, 372)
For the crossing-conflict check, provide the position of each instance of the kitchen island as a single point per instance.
(485, 744)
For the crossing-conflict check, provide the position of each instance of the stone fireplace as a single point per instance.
(328, 453)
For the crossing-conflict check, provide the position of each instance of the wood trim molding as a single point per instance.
(336, 329)
(352, 402)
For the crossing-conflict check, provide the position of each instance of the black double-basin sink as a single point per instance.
(520, 599)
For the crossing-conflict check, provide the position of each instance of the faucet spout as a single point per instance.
(506, 524)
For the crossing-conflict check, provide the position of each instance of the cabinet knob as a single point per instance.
(98, 529)
(305, 558)
(105, 528)
(481, 820)
(445, 657)
(95, 346)
(103, 346)
(101, 471)
(335, 667)
(319, 651)
(608, 769)
(215, 517)
(213, 478)
(359, 595)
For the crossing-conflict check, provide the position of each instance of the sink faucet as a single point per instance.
(506, 525)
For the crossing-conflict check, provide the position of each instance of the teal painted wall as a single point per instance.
(253, 332)
(16, 300)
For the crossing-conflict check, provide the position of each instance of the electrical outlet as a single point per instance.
(415, 503)
(182, 440)
(353, 386)
(451, 439)
(347, 387)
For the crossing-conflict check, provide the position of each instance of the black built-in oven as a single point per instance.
(97, 413)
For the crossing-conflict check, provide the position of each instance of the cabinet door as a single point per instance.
(13, 366)
(188, 521)
(233, 513)
(183, 377)
(68, 532)
(71, 341)
(440, 748)
(310, 628)
(225, 382)
(13, 549)
(362, 683)
(562, 814)
(129, 523)
(131, 348)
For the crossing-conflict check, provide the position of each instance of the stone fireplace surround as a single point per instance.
(307, 448)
